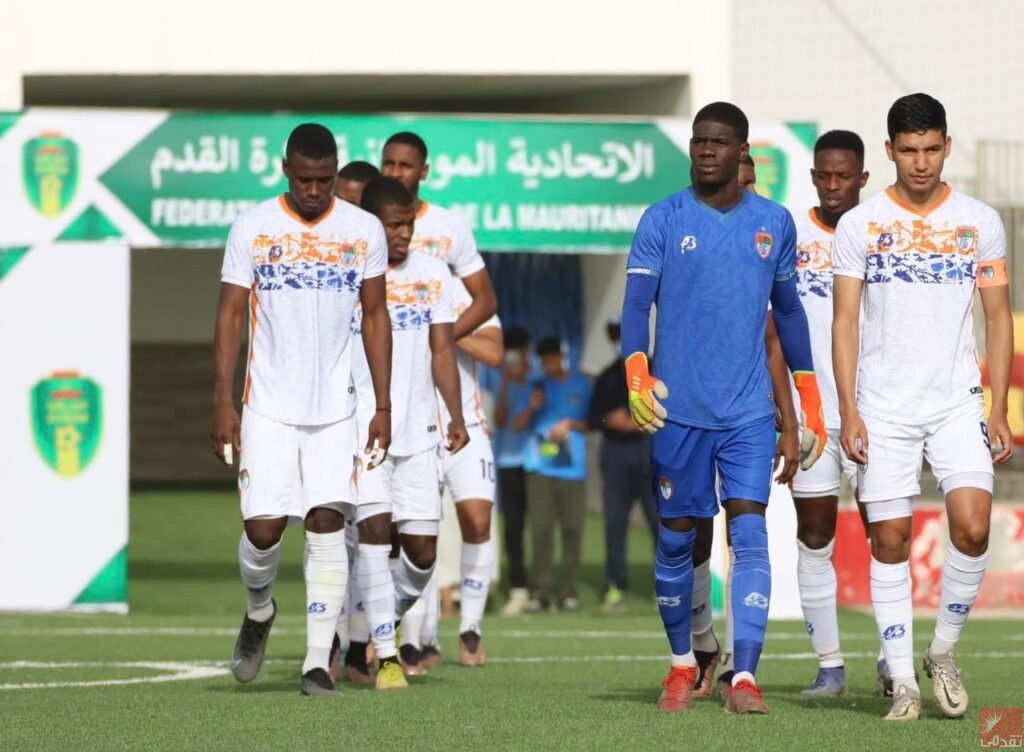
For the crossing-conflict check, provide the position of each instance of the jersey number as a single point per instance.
(487, 470)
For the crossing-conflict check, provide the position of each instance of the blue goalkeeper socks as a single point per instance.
(751, 589)
(673, 583)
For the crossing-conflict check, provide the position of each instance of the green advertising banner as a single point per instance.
(181, 179)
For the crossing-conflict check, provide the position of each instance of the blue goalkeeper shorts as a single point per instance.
(688, 464)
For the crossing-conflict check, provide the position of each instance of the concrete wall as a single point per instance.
(842, 64)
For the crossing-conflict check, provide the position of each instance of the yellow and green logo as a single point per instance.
(772, 170)
(50, 172)
(67, 420)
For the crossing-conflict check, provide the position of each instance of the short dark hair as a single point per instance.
(550, 345)
(408, 138)
(516, 337)
(362, 172)
(725, 113)
(843, 140)
(311, 140)
(747, 160)
(916, 113)
(380, 193)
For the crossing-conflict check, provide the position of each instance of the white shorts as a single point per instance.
(285, 470)
(469, 474)
(410, 485)
(958, 443)
(824, 477)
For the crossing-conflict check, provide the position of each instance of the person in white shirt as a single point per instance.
(404, 488)
(299, 263)
(909, 385)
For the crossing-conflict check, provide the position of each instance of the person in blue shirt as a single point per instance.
(509, 445)
(555, 418)
(712, 257)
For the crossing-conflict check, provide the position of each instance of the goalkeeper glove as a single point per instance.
(812, 419)
(644, 391)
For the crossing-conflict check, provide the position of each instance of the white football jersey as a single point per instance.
(920, 268)
(445, 235)
(419, 296)
(469, 378)
(305, 279)
(814, 282)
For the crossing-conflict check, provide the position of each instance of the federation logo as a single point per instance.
(966, 237)
(688, 243)
(756, 600)
(243, 480)
(894, 632)
(763, 242)
(665, 485)
(50, 172)
(67, 421)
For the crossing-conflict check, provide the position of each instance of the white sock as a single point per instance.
(743, 676)
(326, 590)
(259, 570)
(409, 584)
(961, 581)
(378, 595)
(431, 600)
(701, 615)
(728, 606)
(816, 578)
(684, 660)
(358, 626)
(412, 623)
(477, 567)
(894, 614)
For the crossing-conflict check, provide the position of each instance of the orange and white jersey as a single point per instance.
(419, 296)
(445, 235)
(469, 378)
(814, 282)
(920, 269)
(305, 279)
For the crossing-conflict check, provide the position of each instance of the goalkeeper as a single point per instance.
(711, 257)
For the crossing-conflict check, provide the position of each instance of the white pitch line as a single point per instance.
(181, 672)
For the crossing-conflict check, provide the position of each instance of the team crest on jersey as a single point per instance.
(763, 242)
(885, 240)
(688, 243)
(966, 238)
(666, 488)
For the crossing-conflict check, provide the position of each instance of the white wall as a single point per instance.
(204, 37)
(843, 63)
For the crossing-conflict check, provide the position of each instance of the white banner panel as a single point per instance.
(64, 426)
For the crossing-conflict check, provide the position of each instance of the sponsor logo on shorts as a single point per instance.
(976, 390)
(894, 632)
(384, 630)
(243, 480)
(665, 485)
(961, 609)
(670, 601)
(756, 600)
(763, 242)
(984, 435)
(317, 607)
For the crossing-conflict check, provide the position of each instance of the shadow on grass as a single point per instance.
(638, 695)
(156, 569)
(866, 703)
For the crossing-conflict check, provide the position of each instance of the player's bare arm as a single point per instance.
(377, 344)
(484, 305)
(485, 346)
(788, 447)
(845, 354)
(995, 301)
(445, 369)
(227, 338)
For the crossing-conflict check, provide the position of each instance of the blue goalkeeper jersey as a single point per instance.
(715, 270)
